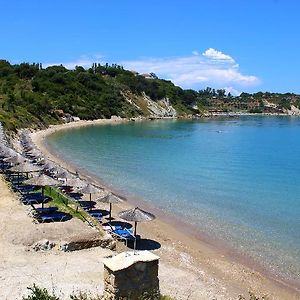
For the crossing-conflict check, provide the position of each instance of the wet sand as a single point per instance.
(192, 266)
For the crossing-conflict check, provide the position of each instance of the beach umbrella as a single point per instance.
(90, 189)
(7, 152)
(136, 215)
(111, 199)
(42, 181)
(34, 153)
(63, 174)
(76, 183)
(55, 169)
(49, 166)
(15, 159)
(25, 167)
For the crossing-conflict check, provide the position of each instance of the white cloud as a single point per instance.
(217, 55)
(211, 68)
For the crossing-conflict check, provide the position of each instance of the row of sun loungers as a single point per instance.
(33, 157)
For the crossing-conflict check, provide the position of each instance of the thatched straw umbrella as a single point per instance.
(76, 183)
(90, 189)
(136, 215)
(62, 174)
(15, 159)
(7, 152)
(110, 198)
(42, 181)
(49, 166)
(26, 168)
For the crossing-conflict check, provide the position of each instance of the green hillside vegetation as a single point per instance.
(33, 96)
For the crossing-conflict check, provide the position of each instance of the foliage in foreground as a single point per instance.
(38, 293)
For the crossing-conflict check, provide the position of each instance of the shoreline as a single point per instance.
(256, 278)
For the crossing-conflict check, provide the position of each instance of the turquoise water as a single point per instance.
(237, 180)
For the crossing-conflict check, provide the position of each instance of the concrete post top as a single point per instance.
(126, 259)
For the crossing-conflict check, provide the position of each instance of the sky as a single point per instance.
(238, 45)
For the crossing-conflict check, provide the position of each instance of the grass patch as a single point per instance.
(69, 206)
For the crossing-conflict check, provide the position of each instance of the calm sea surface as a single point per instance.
(238, 180)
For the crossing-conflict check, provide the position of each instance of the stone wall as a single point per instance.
(131, 276)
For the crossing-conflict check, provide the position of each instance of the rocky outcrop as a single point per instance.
(78, 244)
(161, 108)
(153, 109)
(75, 244)
(43, 245)
(294, 111)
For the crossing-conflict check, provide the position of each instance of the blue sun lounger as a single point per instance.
(52, 217)
(122, 233)
(34, 198)
(95, 214)
(46, 210)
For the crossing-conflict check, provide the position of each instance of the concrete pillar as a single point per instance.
(131, 276)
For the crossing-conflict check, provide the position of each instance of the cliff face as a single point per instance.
(150, 108)
(294, 111)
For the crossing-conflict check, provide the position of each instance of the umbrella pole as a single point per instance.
(134, 245)
(90, 197)
(135, 224)
(43, 197)
(109, 212)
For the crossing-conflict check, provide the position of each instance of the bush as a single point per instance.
(38, 293)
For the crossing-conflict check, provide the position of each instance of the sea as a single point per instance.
(236, 179)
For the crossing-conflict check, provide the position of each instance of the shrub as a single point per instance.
(38, 293)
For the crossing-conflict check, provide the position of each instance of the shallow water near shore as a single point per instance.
(237, 180)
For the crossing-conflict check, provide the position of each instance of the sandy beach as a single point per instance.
(190, 267)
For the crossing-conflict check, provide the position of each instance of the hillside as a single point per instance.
(31, 95)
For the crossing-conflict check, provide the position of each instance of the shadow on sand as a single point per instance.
(145, 244)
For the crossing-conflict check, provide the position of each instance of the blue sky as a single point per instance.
(236, 44)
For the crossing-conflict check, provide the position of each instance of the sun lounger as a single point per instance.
(53, 217)
(87, 205)
(46, 210)
(23, 189)
(95, 214)
(34, 198)
(121, 233)
(124, 233)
